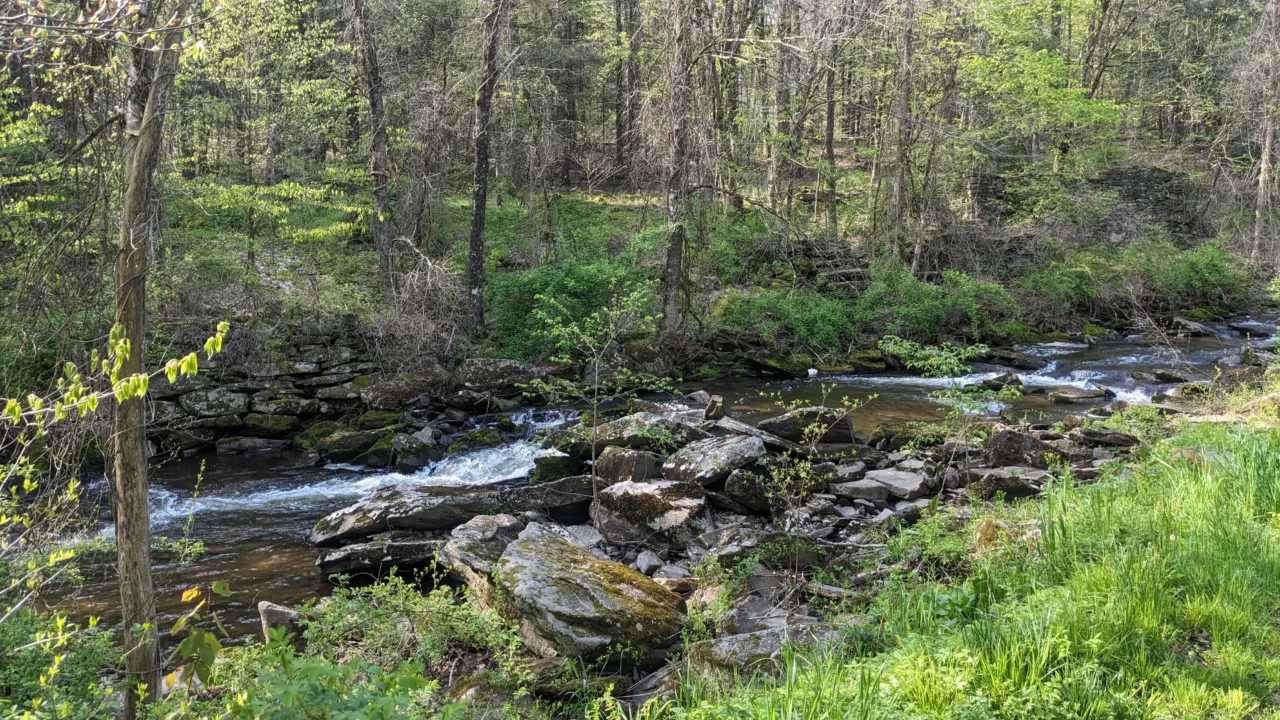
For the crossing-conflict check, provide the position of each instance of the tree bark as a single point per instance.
(830, 146)
(1271, 95)
(782, 106)
(380, 223)
(150, 79)
(677, 190)
(898, 192)
(479, 194)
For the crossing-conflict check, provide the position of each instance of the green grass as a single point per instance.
(1152, 594)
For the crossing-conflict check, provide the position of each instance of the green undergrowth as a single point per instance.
(1150, 594)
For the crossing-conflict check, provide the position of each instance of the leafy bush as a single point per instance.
(820, 324)
(898, 303)
(581, 289)
(50, 662)
(369, 623)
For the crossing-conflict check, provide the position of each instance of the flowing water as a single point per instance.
(253, 512)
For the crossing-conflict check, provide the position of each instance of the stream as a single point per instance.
(252, 512)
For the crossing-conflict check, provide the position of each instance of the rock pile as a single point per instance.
(584, 563)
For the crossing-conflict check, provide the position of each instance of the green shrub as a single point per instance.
(373, 624)
(581, 289)
(84, 659)
(898, 303)
(819, 324)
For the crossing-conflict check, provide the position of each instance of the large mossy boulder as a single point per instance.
(658, 513)
(710, 461)
(405, 507)
(555, 467)
(271, 426)
(343, 445)
(569, 603)
(792, 425)
(476, 440)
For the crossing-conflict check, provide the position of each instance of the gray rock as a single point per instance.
(567, 500)
(379, 553)
(1014, 359)
(346, 445)
(497, 375)
(1253, 328)
(214, 402)
(412, 454)
(646, 431)
(899, 483)
(1095, 437)
(791, 425)
(659, 513)
(1191, 328)
(750, 490)
(405, 507)
(285, 406)
(648, 562)
(1067, 395)
(861, 490)
(475, 547)
(271, 426)
(1013, 482)
(349, 390)
(715, 408)
(1009, 447)
(401, 390)
(709, 461)
(1169, 376)
(237, 445)
(616, 464)
(728, 426)
(279, 617)
(754, 652)
(568, 603)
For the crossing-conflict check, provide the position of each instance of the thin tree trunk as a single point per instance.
(147, 93)
(480, 191)
(830, 147)
(673, 274)
(782, 106)
(898, 192)
(620, 91)
(1271, 96)
(381, 221)
(633, 79)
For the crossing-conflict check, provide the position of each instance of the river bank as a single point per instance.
(253, 510)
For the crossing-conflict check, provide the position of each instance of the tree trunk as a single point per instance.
(619, 91)
(1271, 96)
(633, 79)
(898, 192)
(381, 221)
(782, 106)
(830, 147)
(480, 191)
(679, 97)
(147, 93)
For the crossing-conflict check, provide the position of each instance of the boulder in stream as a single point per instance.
(616, 464)
(791, 425)
(405, 507)
(379, 553)
(568, 603)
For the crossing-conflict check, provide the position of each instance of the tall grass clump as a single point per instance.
(1151, 594)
